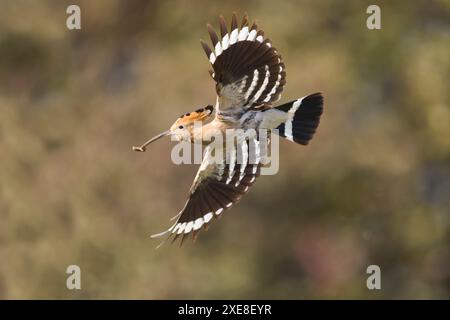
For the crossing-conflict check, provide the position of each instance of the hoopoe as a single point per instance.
(249, 76)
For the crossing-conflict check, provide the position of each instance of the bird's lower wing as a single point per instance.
(217, 186)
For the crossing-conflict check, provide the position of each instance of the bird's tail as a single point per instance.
(303, 118)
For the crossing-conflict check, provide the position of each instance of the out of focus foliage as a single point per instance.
(372, 188)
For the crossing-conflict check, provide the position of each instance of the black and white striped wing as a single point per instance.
(217, 186)
(247, 69)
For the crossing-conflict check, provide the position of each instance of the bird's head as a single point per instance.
(182, 127)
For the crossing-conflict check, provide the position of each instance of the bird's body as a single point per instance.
(255, 119)
(249, 76)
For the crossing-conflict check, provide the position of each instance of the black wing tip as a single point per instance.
(244, 21)
(234, 23)
(206, 48)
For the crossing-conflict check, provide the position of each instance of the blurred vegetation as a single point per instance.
(372, 188)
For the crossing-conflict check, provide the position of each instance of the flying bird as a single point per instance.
(249, 77)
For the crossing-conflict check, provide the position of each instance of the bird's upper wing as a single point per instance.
(247, 69)
(217, 186)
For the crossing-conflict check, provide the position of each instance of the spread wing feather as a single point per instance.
(217, 186)
(247, 69)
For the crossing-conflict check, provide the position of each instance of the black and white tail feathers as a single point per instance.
(303, 118)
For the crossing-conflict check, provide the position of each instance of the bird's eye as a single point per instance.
(180, 127)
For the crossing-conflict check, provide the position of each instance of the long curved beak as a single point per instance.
(142, 148)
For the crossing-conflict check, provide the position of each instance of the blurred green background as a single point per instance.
(372, 188)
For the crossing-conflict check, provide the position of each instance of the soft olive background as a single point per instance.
(372, 188)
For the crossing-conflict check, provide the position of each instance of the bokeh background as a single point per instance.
(373, 187)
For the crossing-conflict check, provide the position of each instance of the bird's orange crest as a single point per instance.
(191, 117)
